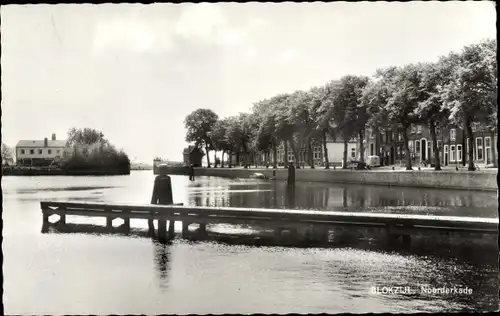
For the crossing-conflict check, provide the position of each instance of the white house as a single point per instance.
(39, 152)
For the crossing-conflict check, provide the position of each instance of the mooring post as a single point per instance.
(162, 194)
(291, 174)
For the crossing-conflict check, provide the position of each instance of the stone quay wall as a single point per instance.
(463, 180)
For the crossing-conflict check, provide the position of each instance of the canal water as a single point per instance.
(84, 271)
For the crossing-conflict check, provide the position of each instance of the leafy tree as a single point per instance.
(219, 139)
(7, 154)
(199, 125)
(431, 110)
(266, 134)
(348, 112)
(283, 129)
(405, 95)
(86, 136)
(470, 96)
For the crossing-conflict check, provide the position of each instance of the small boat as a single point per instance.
(258, 175)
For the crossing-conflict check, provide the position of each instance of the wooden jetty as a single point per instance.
(395, 225)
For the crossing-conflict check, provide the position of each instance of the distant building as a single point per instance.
(39, 152)
(192, 155)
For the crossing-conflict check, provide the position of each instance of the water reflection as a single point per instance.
(162, 260)
(254, 271)
(352, 197)
(360, 262)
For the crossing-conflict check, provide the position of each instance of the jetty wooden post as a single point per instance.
(171, 226)
(162, 194)
(291, 174)
(185, 228)
(191, 173)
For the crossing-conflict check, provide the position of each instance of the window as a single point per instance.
(372, 149)
(452, 152)
(487, 142)
(32, 151)
(317, 152)
(417, 147)
(40, 151)
(459, 152)
(453, 134)
(400, 136)
(419, 129)
(353, 152)
(50, 151)
(479, 148)
(22, 151)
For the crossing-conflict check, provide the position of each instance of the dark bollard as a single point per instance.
(291, 174)
(393, 168)
(419, 168)
(191, 173)
(162, 194)
(334, 167)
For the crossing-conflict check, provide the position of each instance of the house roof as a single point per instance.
(41, 143)
(189, 149)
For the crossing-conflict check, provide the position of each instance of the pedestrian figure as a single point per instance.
(291, 174)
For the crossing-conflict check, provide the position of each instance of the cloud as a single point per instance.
(133, 35)
(288, 55)
(207, 22)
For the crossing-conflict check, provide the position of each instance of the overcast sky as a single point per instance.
(135, 71)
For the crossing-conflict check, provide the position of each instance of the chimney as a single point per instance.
(45, 142)
(54, 136)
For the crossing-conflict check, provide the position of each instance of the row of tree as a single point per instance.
(458, 90)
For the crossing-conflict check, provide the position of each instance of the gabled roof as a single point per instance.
(189, 149)
(41, 143)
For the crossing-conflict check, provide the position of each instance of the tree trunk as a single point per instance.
(215, 158)
(407, 148)
(493, 146)
(435, 148)
(471, 147)
(238, 158)
(222, 159)
(295, 153)
(325, 151)
(275, 155)
(310, 153)
(464, 155)
(344, 158)
(285, 155)
(230, 160)
(208, 158)
(361, 145)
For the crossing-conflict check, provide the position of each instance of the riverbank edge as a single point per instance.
(458, 180)
(61, 172)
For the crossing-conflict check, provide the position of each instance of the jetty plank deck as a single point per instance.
(402, 223)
